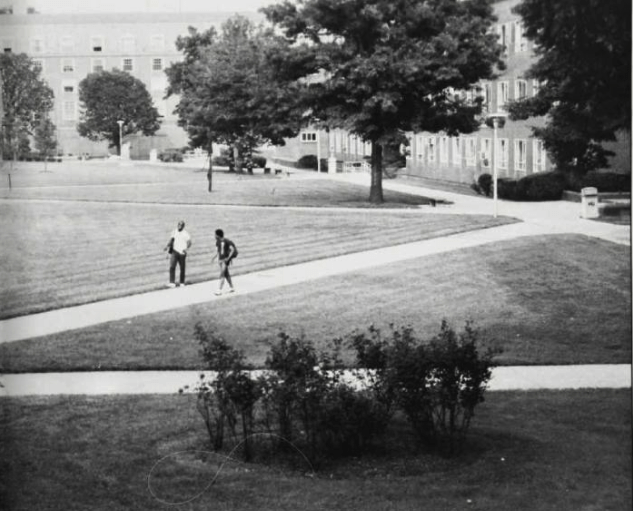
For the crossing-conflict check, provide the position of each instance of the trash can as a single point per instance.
(589, 203)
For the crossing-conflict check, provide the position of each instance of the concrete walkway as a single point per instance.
(169, 382)
(538, 219)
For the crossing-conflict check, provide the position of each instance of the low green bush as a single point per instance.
(604, 181)
(308, 161)
(485, 184)
(171, 155)
(542, 186)
(507, 188)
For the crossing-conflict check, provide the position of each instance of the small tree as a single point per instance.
(45, 140)
(110, 96)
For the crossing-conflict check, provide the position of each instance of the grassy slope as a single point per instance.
(554, 299)
(540, 451)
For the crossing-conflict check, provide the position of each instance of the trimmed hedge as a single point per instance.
(603, 181)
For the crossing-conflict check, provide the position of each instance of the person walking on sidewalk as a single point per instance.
(226, 252)
(178, 246)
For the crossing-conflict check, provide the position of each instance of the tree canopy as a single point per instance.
(234, 87)
(391, 66)
(110, 96)
(26, 99)
(583, 51)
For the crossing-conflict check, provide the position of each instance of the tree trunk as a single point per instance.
(237, 159)
(375, 191)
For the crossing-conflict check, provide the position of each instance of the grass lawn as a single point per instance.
(554, 450)
(66, 253)
(548, 300)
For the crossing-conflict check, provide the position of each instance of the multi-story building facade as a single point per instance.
(68, 47)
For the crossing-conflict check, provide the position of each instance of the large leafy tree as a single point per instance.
(390, 66)
(584, 64)
(235, 87)
(44, 138)
(26, 100)
(110, 96)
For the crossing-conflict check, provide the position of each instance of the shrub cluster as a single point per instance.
(306, 399)
(310, 162)
(541, 186)
(603, 181)
(171, 155)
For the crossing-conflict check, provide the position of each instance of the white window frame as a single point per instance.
(539, 156)
(132, 66)
(502, 152)
(338, 142)
(41, 64)
(69, 83)
(367, 148)
(520, 156)
(69, 110)
(486, 152)
(97, 62)
(308, 137)
(443, 143)
(161, 64)
(520, 41)
(470, 151)
(70, 63)
(518, 85)
(37, 45)
(157, 42)
(456, 150)
(536, 86)
(96, 44)
(430, 149)
(128, 43)
(503, 88)
(8, 45)
(420, 145)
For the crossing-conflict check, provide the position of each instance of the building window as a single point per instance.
(419, 147)
(68, 65)
(157, 42)
(443, 149)
(39, 64)
(520, 157)
(502, 94)
(157, 64)
(7, 45)
(37, 45)
(430, 149)
(338, 143)
(97, 65)
(471, 151)
(520, 89)
(69, 88)
(502, 153)
(457, 150)
(68, 112)
(96, 43)
(367, 148)
(128, 44)
(502, 32)
(536, 86)
(66, 44)
(538, 156)
(486, 152)
(308, 136)
(520, 41)
(128, 65)
(484, 93)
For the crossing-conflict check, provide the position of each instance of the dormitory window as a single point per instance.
(96, 43)
(486, 152)
(471, 151)
(38, 64)
(443, 149)
(538, 156)
(7, 45)
(419, 147)
(97, 65)
(457, 150)
(338, 142)
(68, 66)
(430, 149)
(520, 41)
(69, 88)
(157, 64)
(68, 111)
(309, 136)
(128, 65)
(128, 43)
(502, 95)
(37, 45)
(520, 89)
(520, 156)
(536, 86)
(502, 152)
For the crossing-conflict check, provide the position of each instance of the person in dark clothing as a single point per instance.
(225, 253)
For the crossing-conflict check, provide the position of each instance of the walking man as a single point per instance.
(226, 252)
(178, 246)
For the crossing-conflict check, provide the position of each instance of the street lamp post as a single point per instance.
(120, 123)
(498, 120)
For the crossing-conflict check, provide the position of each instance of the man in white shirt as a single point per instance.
(178, 246)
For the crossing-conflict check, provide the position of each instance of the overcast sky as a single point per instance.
(58, 6)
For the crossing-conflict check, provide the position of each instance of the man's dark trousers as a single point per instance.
(177, 258)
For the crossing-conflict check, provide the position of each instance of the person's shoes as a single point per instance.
(171, 284)
(183, 284)
(218, 292)
(232, 290)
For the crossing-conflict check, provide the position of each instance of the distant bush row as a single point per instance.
(545, 186)
(305, 399)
